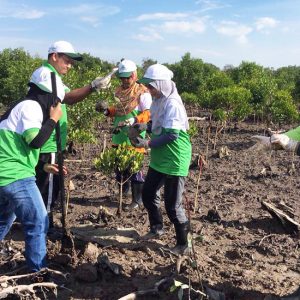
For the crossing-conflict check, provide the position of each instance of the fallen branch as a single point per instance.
(19, 289)
(154, 291)
(197, 118)
(288, 223)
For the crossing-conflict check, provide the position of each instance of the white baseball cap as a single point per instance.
(125, 68)
(156, 72)
(65, 48)
(42, 78)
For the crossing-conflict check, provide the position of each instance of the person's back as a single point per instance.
(24, 128)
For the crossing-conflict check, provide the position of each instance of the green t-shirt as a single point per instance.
(50, 145)
(121, 135)
(17, 159)
(294, 134)
(173, 158)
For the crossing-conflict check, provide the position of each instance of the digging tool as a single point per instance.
(67, 242)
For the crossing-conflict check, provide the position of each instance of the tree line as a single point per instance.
(231, 94)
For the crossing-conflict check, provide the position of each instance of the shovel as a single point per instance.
(67, 242)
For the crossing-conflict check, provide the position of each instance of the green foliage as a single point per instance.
(16, 67)
(121, 158)
(190, 74)
(193, 130)
(189, 98)
(282, 108)
(218, 80)
(83, 116)
(220, 115)
(233, 100)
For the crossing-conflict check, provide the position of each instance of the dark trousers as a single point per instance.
(173, 189)
(44, 181)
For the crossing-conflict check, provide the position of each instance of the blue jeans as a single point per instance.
(22, 199)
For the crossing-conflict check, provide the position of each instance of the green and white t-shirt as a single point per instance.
(173, 158)
(122, 136)
(17, 159)
(50, 146)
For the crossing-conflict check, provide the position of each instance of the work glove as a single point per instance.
(283, 142)
(136, 129)
(139, 142)
(101, 83)
(127, 122)
(277, 141)
(102, 107)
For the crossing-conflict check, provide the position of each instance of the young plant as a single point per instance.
(122, 159)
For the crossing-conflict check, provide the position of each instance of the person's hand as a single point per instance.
(282, 141)
(53, 168)
(127, 122)
(140, 127)
(139, 142)
(56, 112)
(102, 107)
(101, 83)
(277, 141)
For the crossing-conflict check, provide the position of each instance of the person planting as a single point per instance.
(132, 107)
(61, 57)
(170, 155)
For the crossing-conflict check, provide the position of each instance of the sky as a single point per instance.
(220, 32)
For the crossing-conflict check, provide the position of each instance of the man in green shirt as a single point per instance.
(61, 56)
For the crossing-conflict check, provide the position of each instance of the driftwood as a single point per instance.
(287, 222)
(197, 118)
(21, 289)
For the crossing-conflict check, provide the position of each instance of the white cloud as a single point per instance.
(94, 21)
(210, 5)
(265, 23)
(148, 35)
(28, 14)
(235, 30)
(98, 10)
(197, 26)
(11, 10)
(160, 16)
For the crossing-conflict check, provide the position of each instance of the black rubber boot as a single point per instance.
(136, 189)
(181, 230)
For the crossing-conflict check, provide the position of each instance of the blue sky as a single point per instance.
(220, 32)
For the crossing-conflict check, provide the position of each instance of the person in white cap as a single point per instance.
(133, 107)
(61, 56)
(170, 155)
(24, 128)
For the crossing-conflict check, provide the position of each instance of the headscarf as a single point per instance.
(45, 99)
(169, 92)
(129, 98)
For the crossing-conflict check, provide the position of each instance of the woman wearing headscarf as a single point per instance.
(170, 154)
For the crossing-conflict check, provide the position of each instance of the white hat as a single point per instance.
(125, 68)
(156, 72)
(42, 78)
(66, 48)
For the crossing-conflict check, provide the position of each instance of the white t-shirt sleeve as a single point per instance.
(145, 102)
(31, 115)
(173, 116)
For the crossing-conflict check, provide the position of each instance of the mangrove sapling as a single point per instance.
(122, 159)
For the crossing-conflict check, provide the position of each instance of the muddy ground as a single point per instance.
(240, 251)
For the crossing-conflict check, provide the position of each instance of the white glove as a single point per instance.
(284, 142)
(127, 122)
(277, 141)
(101, 83)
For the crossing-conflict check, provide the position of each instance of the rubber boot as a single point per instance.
(136, 189)
(181, 247)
